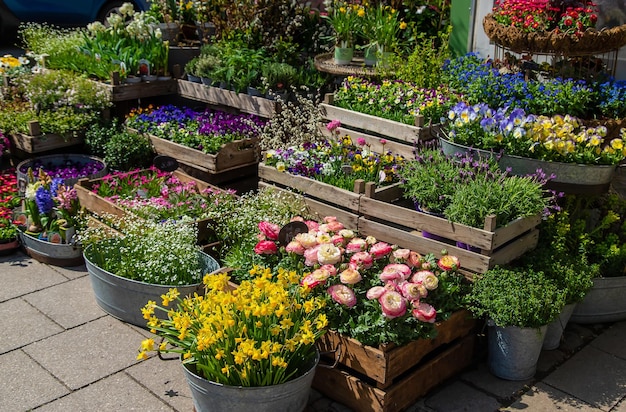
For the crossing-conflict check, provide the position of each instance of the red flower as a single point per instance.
(266, 247)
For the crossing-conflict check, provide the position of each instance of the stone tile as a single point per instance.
(544, 398)
(22, 324)
(25, 384)
(612, 340)
(71, 272)
(548, 360)
(69, 304)
(593, 376)
(165, 379)
(621, 407)
(115, 393)
(502, 389)
(21, 275)
(459, 396)
(89, 352)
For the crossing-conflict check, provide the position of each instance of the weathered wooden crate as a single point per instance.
(95, 203)
(382, 214)
(221, 97)
(119, 92)
(418, 367)
(377, 126)
(37, 142)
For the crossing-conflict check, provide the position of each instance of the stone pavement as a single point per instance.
(60, 352)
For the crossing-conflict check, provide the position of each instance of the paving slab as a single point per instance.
(22, 324)
(592, 375)
(21, 275)
(501, 389)
(89, 352)
(612, 340)
(544, 398)
(25, 384)
(118, 392)
(69, 304)
(165, 379)
(458, 397)
(71, 272)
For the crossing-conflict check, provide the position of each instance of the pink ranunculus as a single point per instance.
(265, 247)
(315, 278)
(424, 312)
(297, 219)
(330, 268)
(328, 254)
(328, 219)
(415, 259)
(342, 294)
(426, 266)
(427, 278)
(323, 237)
(401, 255)
(350, 276)
(312, 225)
(361, 261)
(356, 245)
(346, 234)
(334, 226)
(310, 256)
(332, 125)
(338, 240)
(395, 271)
(295, 247)
(448, 262)
(380, 250)
(393, 304)
(413, 291)
(360, 141)
(375, 292)
(270, 230)
(307, 240)
(370, 240)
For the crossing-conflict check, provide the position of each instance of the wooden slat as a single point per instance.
(123, 92)
(43, 143)
(516, 248)
(216, 96)
(405, 149)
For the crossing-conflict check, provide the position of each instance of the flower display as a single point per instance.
(68, 170)
(345, 17)
(555, 138)
(377, 292)
(204, 130)
(262, 333)
(50, 207)
(394, 100)
(10, 65)
(546, 15)
(9, 200)
(381, 26)
(338, 163)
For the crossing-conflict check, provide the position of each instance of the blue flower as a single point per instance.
(44, 200)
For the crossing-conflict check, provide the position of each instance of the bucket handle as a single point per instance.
(337, 355)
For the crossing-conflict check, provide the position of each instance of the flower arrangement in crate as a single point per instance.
(555, 138)
(377, 293)
(204, 130)
(51, 210)
(261, 333)
(395, 100)
(338, 163)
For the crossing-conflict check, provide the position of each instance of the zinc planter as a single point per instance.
(603, 303)
(57, 254)
(8, 246)
(291, 396)
(555, 329)
(123, 298)
(513, 352)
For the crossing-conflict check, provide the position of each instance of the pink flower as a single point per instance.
(375, 292)
(334, 226)
(383, 141)
(312, 225)
(338, 240)
(380, 250)
(270, 230)
(342, 295)
(356, 245)
(401, 255)
(315, 278)
(330, 268)
(295, 247)
(448, 262)
(395, 271)
(361, 261)
(328, 219)
(415, 259)
(413, 291)
(328, 254)
(265, 247)
(350, 276)
(307, 240)
(360, 141)
(424, 313)
(310, 256)
(427, 278)
(392, 303)
(333, 124)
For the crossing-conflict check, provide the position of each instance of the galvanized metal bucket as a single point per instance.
(57, 254)
(552, 340)
(513, 352)
(603, 303)
(123, 298)
(291, 396)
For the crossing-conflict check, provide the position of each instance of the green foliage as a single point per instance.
(424, 64)
(121, 149)
(521, 297)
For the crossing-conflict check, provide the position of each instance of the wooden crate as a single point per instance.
(37, 142)
(361, 394)
(377, 126)
(221, 97)
(119, 92)
(230, 156)
(385, 364)
(383, 215)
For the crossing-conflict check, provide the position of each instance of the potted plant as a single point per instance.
(344, 17)
(381, 29)
(251, 347)
(278, 78)
(140, 260)
(208, 68)
(9, 233)
(191, 68)
(519, 303)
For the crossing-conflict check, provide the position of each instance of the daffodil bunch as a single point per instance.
(345, 17)
(382, 26)
(260, 333)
